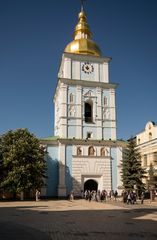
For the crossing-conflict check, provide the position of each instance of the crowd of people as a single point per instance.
(128, 197)
(98, 196)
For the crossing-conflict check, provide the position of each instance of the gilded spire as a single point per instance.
(82, 43)
(82, 5)
(82, 29)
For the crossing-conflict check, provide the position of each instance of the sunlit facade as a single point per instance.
(147, 145)
(84, 153)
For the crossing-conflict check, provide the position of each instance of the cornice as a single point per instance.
(148, 143)
(85, 83)
(92, 142)
(82, 58)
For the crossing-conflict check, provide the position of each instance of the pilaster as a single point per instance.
(79, 112)
(62, 167)
(99, 113)
(113, 114)
(67, 68)
(63, 110)
(105, 72)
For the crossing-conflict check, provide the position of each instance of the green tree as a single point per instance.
(22, 163)
(132, 172)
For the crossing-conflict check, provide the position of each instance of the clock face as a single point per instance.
(87, 68)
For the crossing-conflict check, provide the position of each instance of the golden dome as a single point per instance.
(82, 43)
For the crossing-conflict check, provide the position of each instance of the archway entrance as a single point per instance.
(91, 185)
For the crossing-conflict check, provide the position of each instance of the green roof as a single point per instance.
(50, 138)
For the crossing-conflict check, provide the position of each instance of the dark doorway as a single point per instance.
(91, 185)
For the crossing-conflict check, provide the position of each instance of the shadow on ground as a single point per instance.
(43, 223)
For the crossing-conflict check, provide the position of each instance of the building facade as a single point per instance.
(84, 153)
(147, 145)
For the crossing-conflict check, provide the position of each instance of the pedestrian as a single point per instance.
(124, 196)
(98, 196)
(89, 196)
(110, 195)
(115, 195)
(37, 195)
(132, 197)
(129, 198)
(86, 195)
(135, 197)
(82, 194)
(142, 197)
(71, 196)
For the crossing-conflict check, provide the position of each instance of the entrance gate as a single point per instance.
(90, 185)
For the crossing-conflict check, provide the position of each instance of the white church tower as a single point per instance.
(84, 99)
(85, 146)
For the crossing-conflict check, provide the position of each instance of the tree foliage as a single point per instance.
(132, 172)
(22, 164)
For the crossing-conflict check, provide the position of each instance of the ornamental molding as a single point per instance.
(85, 58)
(85, 83)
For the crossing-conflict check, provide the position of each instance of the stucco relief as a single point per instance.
(79, 151)
(89, 94)
(106, 113)
(72, 111)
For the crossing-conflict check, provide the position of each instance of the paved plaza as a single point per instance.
(79, 220)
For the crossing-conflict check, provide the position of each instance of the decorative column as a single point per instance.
(113, 114)
(99, 113)
(79, 112)
(63, 111)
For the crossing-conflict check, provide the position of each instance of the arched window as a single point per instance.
(88, 112)
(71, 98)
(103, 152)
(79, 151)
(91, 151)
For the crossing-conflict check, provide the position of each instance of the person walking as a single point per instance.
(71, 196)
(115, 195)
(129, 198)
(37, 195)
(142, 197)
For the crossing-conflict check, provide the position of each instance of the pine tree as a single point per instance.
(22, 163)
(132, 172)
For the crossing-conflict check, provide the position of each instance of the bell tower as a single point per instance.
(84, 152)
(84, 99)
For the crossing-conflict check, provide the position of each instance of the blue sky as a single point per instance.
(33, 35)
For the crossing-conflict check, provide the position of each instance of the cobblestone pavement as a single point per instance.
(79, 220)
